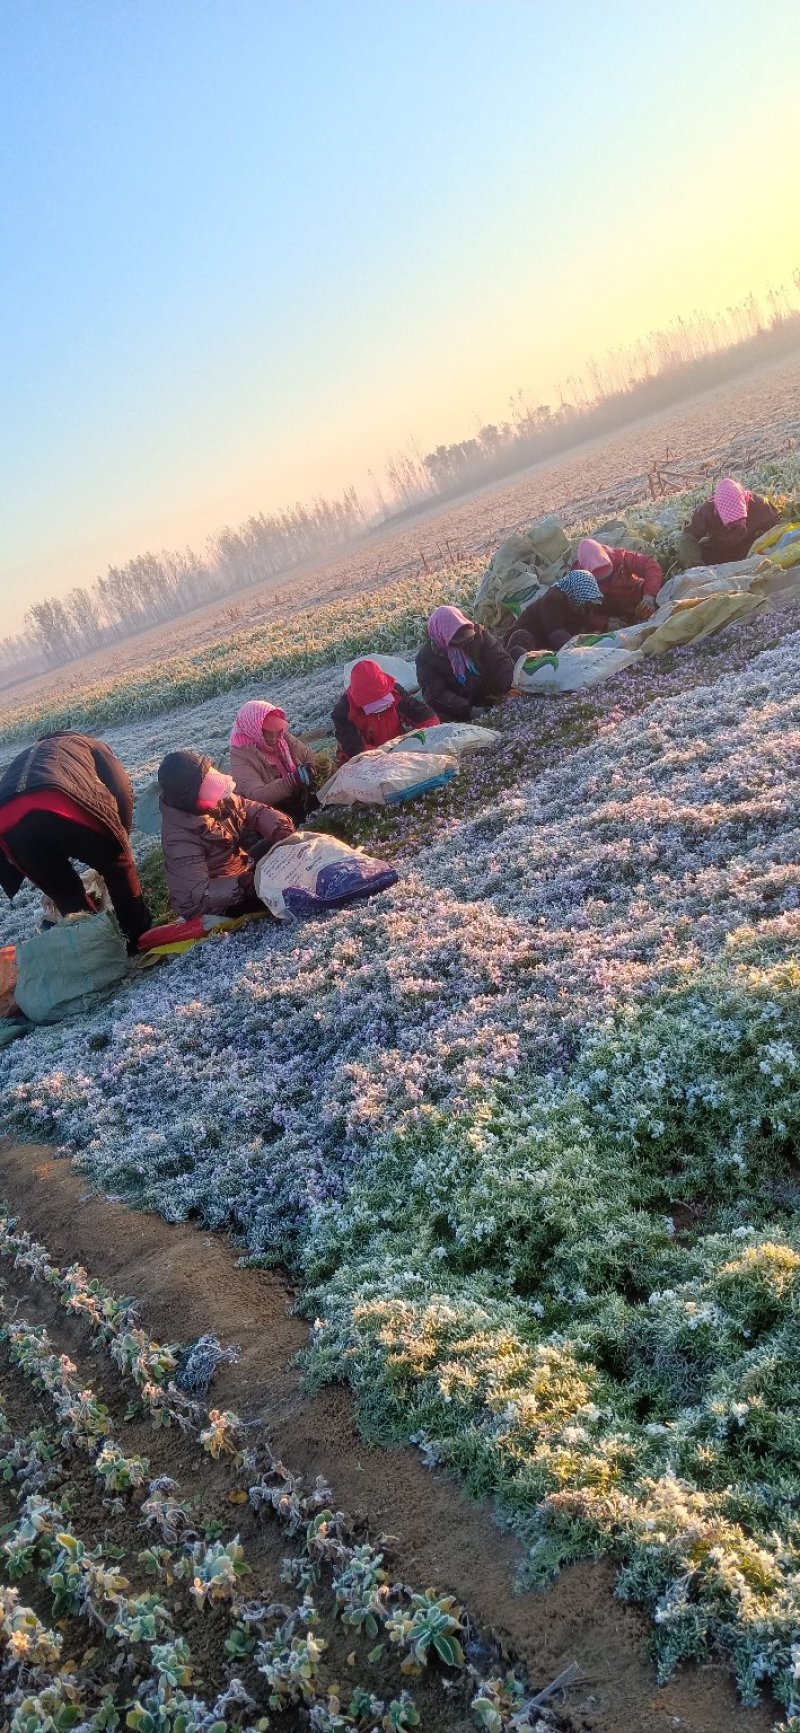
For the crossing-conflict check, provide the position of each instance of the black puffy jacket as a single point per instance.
(451, 701)
(76, 765)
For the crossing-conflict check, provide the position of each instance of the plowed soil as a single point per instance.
(187, 1282)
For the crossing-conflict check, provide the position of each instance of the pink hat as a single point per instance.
(730, 500)
(593, 557)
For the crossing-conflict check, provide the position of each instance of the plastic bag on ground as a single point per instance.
(147, 810)
(725, 579)
(311, 872)
(781, 545)
(582, 662)
(518, 571)
(451, 737)
(70, 968)
(396, 667)
(699, 617)
(383, 778)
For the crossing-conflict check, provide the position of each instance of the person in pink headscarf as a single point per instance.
(270, 764)
(462, 667)
(629, 582)
(726, 525)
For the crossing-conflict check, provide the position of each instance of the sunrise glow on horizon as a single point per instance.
(253, 250)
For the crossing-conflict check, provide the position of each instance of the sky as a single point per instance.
(250, 248)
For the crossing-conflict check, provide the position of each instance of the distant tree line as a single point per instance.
(688, 355)
(153, 588)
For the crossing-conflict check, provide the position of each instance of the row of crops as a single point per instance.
(98, 1633)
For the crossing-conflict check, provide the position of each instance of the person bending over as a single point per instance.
(726, 525)
(374, 710)
(212, 837)
(270, 764)
(563, 610)
(462, 667)
(69, 799)
(629, 582)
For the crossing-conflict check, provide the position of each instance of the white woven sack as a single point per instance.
(573, 668)
(383, 778)
(452, 737)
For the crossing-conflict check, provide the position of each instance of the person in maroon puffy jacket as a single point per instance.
(629, 582)
(562, 611)
(726, 526)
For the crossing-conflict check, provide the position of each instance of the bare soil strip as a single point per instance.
(187, 1282)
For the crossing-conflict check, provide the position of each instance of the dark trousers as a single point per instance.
(44, 845)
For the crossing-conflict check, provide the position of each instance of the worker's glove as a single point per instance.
(305, 776)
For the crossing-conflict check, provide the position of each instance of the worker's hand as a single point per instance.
(305, 776)
(647, 606)
(246, 886)
(282, 826)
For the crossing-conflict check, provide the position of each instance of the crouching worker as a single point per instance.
(629, 582)
(564, 609)
(69, 799)
(212, 837)
(462, 667)
(374, 710)
(270, 764)
(725, 527)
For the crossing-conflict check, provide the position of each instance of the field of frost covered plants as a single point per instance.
(523, 1129)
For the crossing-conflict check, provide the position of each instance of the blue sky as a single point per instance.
(249, 248)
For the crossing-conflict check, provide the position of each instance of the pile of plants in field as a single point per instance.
(524, 1129)
(117, 1648)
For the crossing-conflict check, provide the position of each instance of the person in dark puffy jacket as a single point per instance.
(212, 837)
(375, 710)
(462, 667)
(629, 582)
(562, 611)
(66, 799)
(726, 526)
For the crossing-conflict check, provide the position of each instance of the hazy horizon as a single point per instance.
(255, 250)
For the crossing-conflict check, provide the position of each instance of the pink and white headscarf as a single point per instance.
(593, 557)
(730, 500)
(443, 625)
(248, 730)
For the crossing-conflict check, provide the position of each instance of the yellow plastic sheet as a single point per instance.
(768, 544)
(698, 617)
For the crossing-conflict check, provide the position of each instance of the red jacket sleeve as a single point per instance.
(644, 566)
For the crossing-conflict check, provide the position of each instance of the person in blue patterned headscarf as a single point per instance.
(580, 586)
(562, 610)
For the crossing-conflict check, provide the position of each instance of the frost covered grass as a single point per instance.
(389, 619)
(524, 1128)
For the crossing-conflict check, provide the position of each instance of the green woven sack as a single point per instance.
(70, 967)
